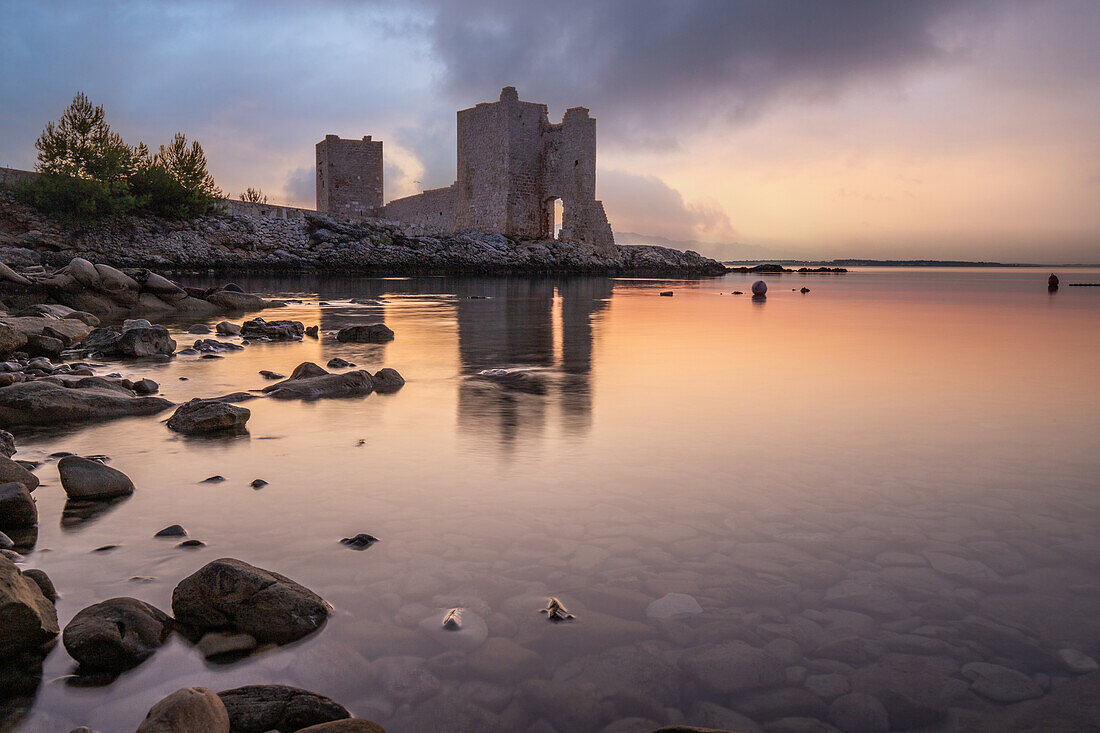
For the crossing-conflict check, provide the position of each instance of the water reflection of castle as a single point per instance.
(514, 328)
(541, 328)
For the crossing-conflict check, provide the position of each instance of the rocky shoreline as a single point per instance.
(316, 243)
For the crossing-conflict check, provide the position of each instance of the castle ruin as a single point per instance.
(513, 164)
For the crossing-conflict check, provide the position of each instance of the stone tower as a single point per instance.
(513, 163)
(349, 176)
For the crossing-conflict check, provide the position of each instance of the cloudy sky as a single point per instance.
(868, 128)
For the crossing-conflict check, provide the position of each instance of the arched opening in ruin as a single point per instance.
(553, 215)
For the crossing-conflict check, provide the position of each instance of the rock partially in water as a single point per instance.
(338, 363)
(387, 380)
(11, 471)
(30, 619)
(258, 328)
(309, 381)
(225, 328)
(731, 667)
(218, 643)
(262, 708)
(859, 712)
(146, 387)
(1077, 661)
(43, 403)
(199, 329)
(116, 635)
(189, 710)
(374, 333)
(7, 444)
(351, 725)
(312, 331)
(87, 479)
(174, 530)
(360, 541)
(229, 594)
(204, 417)
(673, 604)
(268, 374)
(17, 507)
(144, 341)
(44, 583)
(1000, 684)
(258, 483)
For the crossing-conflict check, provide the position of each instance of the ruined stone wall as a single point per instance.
(349, 176)
(431, 212)
(12, 176)
(481, 185)
(236, 207)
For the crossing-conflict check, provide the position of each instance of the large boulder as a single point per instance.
(349, 725)
(116, 635)
(69, 331)
(7, 444)
(731, 667)
(231, 594)
(387, 380)
(309, 381)
(233, 301)
(273, 330)
(27, 618)
(39, 403)
(83, 478)
(145, 341)
(12, 471)
(202, 417)
(374, 333)
(11, 339)
(83, 272)
(116, 285)
(261, 708)
(163, 288)
(17, 508)
(189, 710)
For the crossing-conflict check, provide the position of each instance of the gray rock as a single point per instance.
(268, 374)
(338, 363)
(351, 725)
(671, 605)
(189, 710)
(827, 686)
(202, 417)
(29, 618)
(387, 380)
(858, 712)
(710, 715)
(262, 708)
(866, 594)
(11, 471)
(782, 702)
(17, 508)
(173, 530)
(1077, 661)
(144, 341)
(1000, 684)
(225, 328)
(229, 594)
(258, 328)
(116, 635)
(374, 333)
(731, 667)
(309, 381)
(42, 403)
(87, 479)
(44, 583)
(199, 328)
(235, 301)
(7, 444)
(214, 643)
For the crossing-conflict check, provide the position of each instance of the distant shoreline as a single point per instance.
(899, 263)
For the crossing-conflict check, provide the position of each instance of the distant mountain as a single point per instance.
(717, 250)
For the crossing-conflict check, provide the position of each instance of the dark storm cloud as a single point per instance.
(668, 61)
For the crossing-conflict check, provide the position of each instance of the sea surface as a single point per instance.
(875, 482)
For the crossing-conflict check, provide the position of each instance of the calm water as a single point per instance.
(754, 455)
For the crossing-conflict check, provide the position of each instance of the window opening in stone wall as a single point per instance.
(552, 214)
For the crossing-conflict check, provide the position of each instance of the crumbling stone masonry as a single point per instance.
(349, 176)
(513, 163)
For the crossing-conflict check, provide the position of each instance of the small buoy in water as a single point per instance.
(759, 287)
(1052, 282)
(453, 620)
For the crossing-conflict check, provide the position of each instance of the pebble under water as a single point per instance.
(875, 504)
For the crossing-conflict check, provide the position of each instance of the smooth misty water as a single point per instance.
(754, 455)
